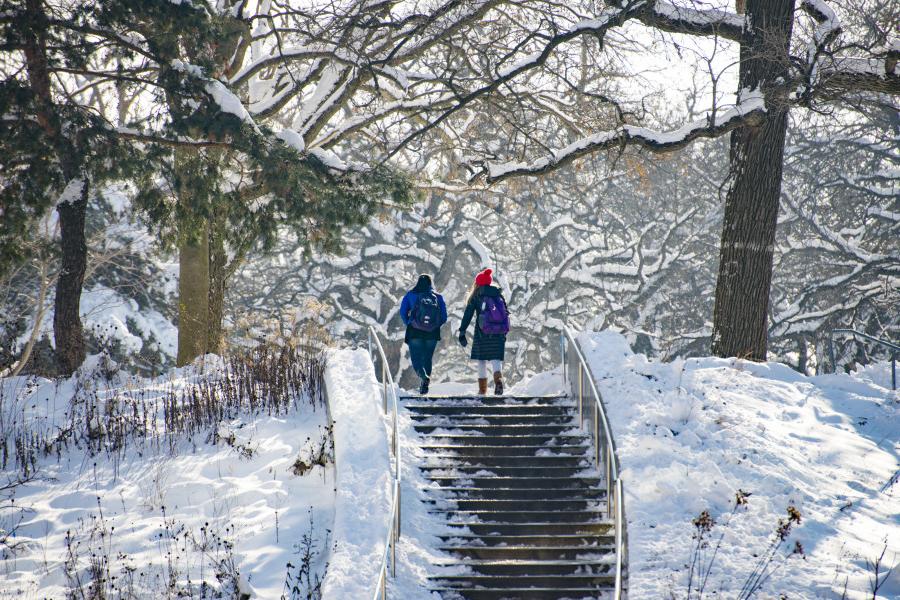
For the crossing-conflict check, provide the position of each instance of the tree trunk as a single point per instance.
(67, 329)
(218, 277)
(193, 297)
(740, 316)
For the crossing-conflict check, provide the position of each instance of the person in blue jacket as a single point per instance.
(423, 311)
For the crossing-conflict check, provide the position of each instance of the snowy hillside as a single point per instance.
(692, 433)
(213, 479)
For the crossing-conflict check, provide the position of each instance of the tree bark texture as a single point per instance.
(193, 297)
(740, 316)
(218, 277)
(67, 328)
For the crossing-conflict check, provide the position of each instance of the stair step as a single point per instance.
(501, 471)
(528, 451)
(471, 410)
(502, 399)
(507, 440)
(499, 429)
(563, 483)
(585, 539)
(536, 567)
(530, 494)
(521, 516)
(561, 554)
(532, 593)
(517, 504)
(523, 581)
(540, 528)
(450, 461)
(526, 419)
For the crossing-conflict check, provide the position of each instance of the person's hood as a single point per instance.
(422, 286)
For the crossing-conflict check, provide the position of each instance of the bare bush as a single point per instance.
(103, 418)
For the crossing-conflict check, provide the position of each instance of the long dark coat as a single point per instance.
(484, 346)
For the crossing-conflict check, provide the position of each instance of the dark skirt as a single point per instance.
(488, 347)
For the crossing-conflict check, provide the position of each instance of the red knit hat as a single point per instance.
(484, 278)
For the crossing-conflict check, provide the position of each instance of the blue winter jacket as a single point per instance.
(406, 306)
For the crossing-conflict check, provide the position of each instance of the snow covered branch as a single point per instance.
(747, 112)
(666, 16)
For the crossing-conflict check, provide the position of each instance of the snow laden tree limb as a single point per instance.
(668, 17)
(829, 74)
(747, 113)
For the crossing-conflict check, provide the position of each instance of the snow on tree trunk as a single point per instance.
(67, 328)
(740, 316)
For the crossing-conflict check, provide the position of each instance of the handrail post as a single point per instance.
(394, 557)
(562, 359)
(894, 372)
(580, 394)
(831, 351)
(597, 432)
(384, 386)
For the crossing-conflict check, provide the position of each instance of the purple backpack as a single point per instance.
(494, 318)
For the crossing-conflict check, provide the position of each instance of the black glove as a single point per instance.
(462, 339)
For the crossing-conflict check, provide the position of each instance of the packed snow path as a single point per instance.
(513, 480)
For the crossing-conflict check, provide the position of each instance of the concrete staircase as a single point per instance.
(514, 480)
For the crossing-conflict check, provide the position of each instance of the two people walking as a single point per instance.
(423, 311)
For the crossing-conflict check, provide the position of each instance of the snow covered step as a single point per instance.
(487, 400)
(449, 426)
(598, 554)
(507, 450)
(523, 581)
(515, 493)
(591, 593)
(583, 539)
(496, 409)
(537, 567)
(541, 528)
(494, 418)
(555, 472)
(505, 440)
(490, 462)
(561, 483)
(520, 516)
(518, 504)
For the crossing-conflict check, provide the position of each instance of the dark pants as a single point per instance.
(421, 352)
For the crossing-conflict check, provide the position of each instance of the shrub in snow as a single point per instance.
(705, 549)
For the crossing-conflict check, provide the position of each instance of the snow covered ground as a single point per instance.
(199, 511)
(363, 487)
(692, 433)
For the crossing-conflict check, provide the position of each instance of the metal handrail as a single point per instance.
(869, 338)
(393, 534)
(604, 450)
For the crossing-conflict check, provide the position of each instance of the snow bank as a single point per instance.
(363, 503)
(187, 507)
(690, 434)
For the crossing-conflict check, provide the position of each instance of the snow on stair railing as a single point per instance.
(393, 534)
(894, 348)
(579, 379)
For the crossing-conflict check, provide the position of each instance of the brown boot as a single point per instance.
(482, 386)
(498, 383)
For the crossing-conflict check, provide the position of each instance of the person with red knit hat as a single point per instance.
(486, 304)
